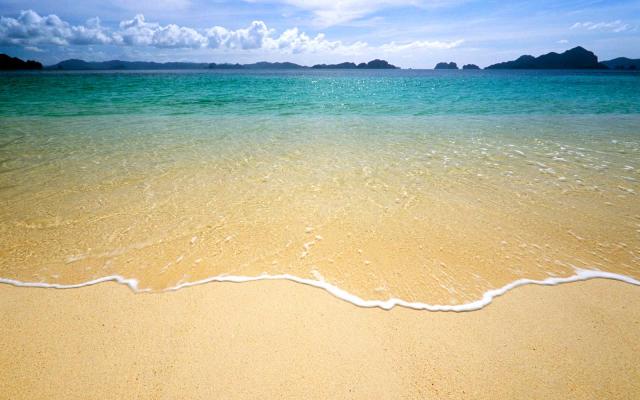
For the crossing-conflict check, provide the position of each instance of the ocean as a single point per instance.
(430, 189)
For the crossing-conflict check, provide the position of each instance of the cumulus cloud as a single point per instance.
(259, 36)
(174, 36)
(30, 30)
(249, 38)
(613, 26)
(91, 33)
(138, 32)
(295, 41)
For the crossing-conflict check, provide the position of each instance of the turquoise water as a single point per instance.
(433, 187)
(402, 92)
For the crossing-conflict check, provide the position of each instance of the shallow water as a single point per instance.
(428, 187)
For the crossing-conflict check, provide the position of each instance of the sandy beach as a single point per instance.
(292, 199)
(280, 339)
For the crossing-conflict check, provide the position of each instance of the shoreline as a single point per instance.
(487, 298)
(276, 339)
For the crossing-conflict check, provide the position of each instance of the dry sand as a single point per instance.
(284, 340)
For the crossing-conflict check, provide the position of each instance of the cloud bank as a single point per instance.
(30, 30)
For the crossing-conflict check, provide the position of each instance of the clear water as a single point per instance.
(428, 186)
(373, 92)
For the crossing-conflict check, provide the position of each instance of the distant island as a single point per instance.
(623, 63)
(81, 65)
(344, 65)
(576, 58)
(258, 65)
(77, 65)
(373, 64)
(444, 65)
(12, 63)
(470, 66)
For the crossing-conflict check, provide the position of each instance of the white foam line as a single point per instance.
(487, 297)
(132, 283)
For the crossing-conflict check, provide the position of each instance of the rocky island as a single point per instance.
(8, 63)
(576, 58)
(81, 65)
(444, 65)
(77, 65)
(623, 63)
(373, 64)
(258, 65)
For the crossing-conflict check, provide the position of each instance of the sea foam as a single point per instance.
(486, 299)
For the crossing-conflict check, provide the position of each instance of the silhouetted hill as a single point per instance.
(377, 64)
(373, 64)
(258, 65)
(8, 63)
(444, 65)
(225, 66)
(470, 66)
(623, 63)
(344, 65)
(75, 65)
(576, 58)
(273, 65)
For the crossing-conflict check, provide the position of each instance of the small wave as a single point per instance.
(487, 297)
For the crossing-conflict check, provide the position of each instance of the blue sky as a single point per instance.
(408, 33)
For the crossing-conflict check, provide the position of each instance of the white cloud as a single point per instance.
(138, 32)
(30, 30)
(613, 26)
(175, 36)
(562, 41)
(249, 38)
(294, 41)
(91, 33)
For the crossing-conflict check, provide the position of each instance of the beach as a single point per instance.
(279, 339)
(445, 195)
(430, 187)
(435, 210)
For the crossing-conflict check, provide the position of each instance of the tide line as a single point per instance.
(487, 297)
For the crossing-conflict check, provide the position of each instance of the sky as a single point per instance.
(407, 33)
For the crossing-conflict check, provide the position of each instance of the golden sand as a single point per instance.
(279, 340)
(406, 212)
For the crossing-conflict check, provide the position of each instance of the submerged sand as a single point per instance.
(278, 339)
(430, 210)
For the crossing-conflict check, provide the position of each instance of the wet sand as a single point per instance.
(279, 339)
(429, 210)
